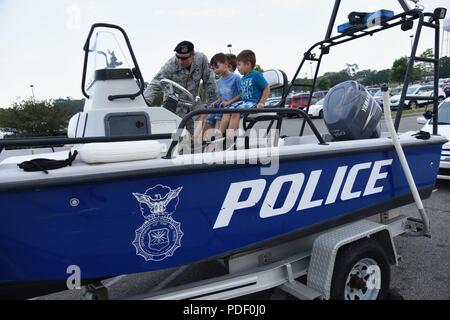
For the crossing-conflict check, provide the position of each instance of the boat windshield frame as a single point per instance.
(135, 70)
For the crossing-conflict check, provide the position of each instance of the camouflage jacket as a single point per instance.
(189, 79)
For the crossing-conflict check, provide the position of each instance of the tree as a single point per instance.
(304, 81)
(366, 77)
(323, 83)
(35, 118)
(337, 77)
(444, 67)
(72, 106)
(382, 76)
(426, 67)
(3, 113)
(398, 71)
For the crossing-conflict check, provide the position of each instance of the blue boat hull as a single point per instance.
(122, 226)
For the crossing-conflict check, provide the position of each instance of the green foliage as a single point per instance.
(382, 76)
(427, 53)
(427, 69)
(258, 68)
(366, 77)
(372, 77)
(398, 71)
(304, 81)
(444, 67)
(72, 106)
(3, 113)
(323, 83)
(337, 77)
(35, 118)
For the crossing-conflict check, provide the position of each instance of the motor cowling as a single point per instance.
(351, 113)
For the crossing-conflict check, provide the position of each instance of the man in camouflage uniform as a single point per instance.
(186, 68)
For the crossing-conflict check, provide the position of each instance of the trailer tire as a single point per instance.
(351, 263)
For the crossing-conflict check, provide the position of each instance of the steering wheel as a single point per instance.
(174, 90)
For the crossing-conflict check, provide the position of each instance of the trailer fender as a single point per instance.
(326, 247)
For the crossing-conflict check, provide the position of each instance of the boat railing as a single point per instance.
(404, 20)
(266, 114)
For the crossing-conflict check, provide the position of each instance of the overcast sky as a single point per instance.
(41, 41)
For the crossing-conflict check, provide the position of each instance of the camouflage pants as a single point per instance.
(182, 110)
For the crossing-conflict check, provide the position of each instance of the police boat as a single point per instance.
(125, 196)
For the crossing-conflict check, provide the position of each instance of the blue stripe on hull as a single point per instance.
(42, 234)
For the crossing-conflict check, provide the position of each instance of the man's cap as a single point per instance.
(184, 47)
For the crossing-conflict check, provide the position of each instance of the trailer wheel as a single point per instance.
(361, 272)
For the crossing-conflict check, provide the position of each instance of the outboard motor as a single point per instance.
(351, 113)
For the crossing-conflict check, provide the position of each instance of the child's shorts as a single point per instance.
(213, 118)
(242, 105)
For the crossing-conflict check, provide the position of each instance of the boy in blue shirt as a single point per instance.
(228, 86)
(254, 91)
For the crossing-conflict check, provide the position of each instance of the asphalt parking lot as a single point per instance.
(423, 273)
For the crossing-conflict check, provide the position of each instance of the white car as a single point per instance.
(378, 96)
(316, 110)
(417, 90)
(444, 130)
(272, 102)
(3, 134)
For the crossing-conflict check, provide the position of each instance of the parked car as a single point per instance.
(373, 90)
(4, 132)
(272, 102)
(300, 100)
(316, 110)
(378, 96)
(319, 94)
(443, 82)
(444, 130)
(296, 101)
(417, 90)
(446, 89)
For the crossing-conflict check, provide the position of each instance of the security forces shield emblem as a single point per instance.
(160, 235)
